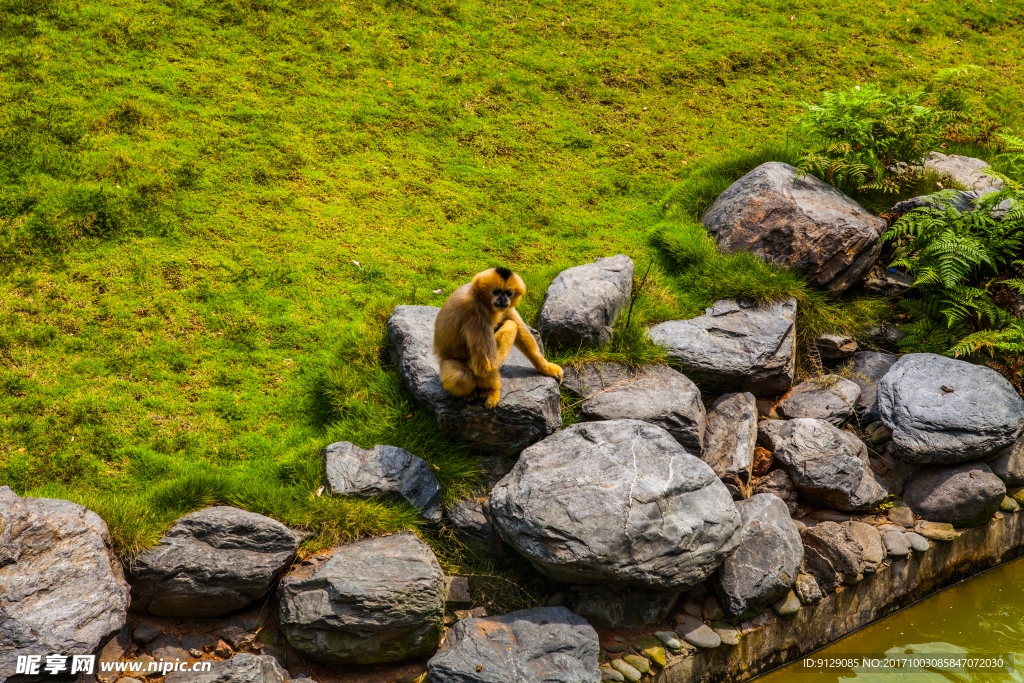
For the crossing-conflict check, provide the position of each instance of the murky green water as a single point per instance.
(983, 615)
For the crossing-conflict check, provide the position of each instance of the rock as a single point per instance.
(797, 222)
(1009, 464)
(886, 335)
(936, 531)
(543, 644)
(1009, 505)
(693, 609)
(763, 459)
(831, 516)
(713, 609)
(789, 604)
(242, 668)
(943, 411)
(198, 641)
(210, 562)
(474, 528)
(529, 409)
(735, 346)
(617, 501)
(458, 595)
(238, 637)
(61, 586)
(779, 484)
(728, 634)
(901, 515)
(965, 171)
(806, 589)
(865, 369)
(637, 662)
(167, 648)
(828, 466)
(831, 346)
(375, 600)
(382, 471)
(918, 542)
(959, 200)
(837, 545)
(871, 545)
(582, 303)
(830, 398)
(610, 674)
(628, 672)
(730, 440)
(615, 606)
(619, 644)
(696, 633)
(146, 632)
(883, 281)
(896, 543)
(655, 393)
(114, 649)
(142, 663)
(764, 566)
(669, 640)
(963, 495)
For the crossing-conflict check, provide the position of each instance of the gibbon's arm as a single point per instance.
(526, 343)
(483, 348)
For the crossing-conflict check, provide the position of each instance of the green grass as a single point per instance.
(207, 210)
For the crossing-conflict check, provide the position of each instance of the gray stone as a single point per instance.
(474, 528)
(146, 632)
(728, 634)
(959, 200)
(966, 171)
(669, 640)
(457, 593)
(871, 544)
(713, 609)
(238, 637)
(829, 398)
(1009, 505)
(582, 303)
(617, 501)
(835, 544)
(167, 648)
(918, 542)
(210, 562)
(591, 378)
(765, 565)
(384, 471)
(901, 515)
(787, 605)
(697, 633)
(735, 345)
(807, 589)
(375, 600)
(198, 641)
(614, 606)
(896, 543)
(865, 369)
(936, 531)
(112, 651)
(529, 408)
(1009, 464)
(831, 346)
(884, 281)
(61, 586)
(655, 393)
(637, 662)
(609, 674)
(828, 466)
(797, 222)
(539, 645)
(885, 335)
(628, 672)
(242, 668)
(778, 483)
(730, 440)
(943, 411)
(963, 495)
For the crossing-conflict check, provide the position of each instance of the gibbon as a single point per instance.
(474, 333)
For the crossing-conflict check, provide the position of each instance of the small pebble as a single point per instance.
(896, 544)
(1009, 504)
(713, 609)
(697, 633)
(628, 672)
(918, 542)
(669, 640)
(610, 674)
(787, 605)
(693, 609)
(725, 631)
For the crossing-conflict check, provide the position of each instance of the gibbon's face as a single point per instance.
(501, 298)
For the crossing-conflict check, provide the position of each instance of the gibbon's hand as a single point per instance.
(552, 370)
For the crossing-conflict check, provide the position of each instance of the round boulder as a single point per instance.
(581, 304)
(617, 501)
(943, 411)
(830, 398)
(963, 495)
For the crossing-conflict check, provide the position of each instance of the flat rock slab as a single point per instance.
(943, 411)
(830, 398)
(653, 393)
(242, 668)
(382, 471)
(735, 345)
(529, 408)
(964, 495)
(966, 171)
(61, 586)
(764, 567)
(798, 223)
(828, 466)
(211, 562)
(730, 440)
(539, 645)
(865, 369)
(617, 501)
(375, 600)
(582, 303)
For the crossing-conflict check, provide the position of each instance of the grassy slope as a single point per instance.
(186, 187)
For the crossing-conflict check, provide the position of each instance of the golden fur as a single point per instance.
(475, 331)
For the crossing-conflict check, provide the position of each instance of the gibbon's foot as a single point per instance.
(552, 370)
(493, 397)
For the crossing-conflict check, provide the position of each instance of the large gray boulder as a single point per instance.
(618, 501)
(529, 408)
(828, 466)
(654, 393)
(765, 565)
(735, 345)
(943, 411)
(375, 600)
(539, 645)
(829, 398)
(966, 171)
(582, 303)
(241, 668)
(798, 223)
(865, 369)
(966, 494)
(61, 586)
(730, 440)
(385, 471)
(1009, 464)
(210, 562)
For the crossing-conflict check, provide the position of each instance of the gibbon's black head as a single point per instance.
(503, 273)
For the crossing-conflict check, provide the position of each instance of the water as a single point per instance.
(982, 615)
